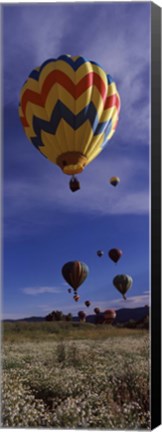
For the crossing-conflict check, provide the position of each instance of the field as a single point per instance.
(75, 375)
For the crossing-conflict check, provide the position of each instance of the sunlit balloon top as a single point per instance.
(69, 108)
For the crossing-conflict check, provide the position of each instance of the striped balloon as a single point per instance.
(69, 109)
(75, 273)
(123, 283)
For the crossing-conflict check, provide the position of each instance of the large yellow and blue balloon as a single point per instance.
(69, 108)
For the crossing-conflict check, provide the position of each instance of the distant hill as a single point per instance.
(30, 319)
(122, 316)
(137, 314)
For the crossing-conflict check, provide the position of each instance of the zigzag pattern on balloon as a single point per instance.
(107, 132)
(73, 62)
(65, 69)
(61, 111)
(88, 113)
(58, 77)
(45, 113)
(75, 65)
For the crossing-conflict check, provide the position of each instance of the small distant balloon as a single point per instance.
(100, 253)
(82, 316)
(114, 181)
(123, 283)
(87, 303)
(96, 310)
(109, 315)
(76, 298)
(115, 254)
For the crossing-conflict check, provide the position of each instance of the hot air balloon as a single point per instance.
(69, 290)
(75, 273)
(76, 297)
(87, 303)
(115, 254)
(109, 315)
(100, 253)
(122, 283)
(69, 108)
(82, 316)
(96, 310)
(114, 181)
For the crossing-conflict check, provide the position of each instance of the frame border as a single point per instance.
(155, 215)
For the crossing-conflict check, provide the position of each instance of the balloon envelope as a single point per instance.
(109, 315)
(114, 181)
(82, 316)
(75, 273)
(100, 253)
(87, 303)
(96, 310)
(76, 298)
(115, 254)
(69, 109)
(122, 283)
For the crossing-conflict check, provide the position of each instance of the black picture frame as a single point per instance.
(155, 215)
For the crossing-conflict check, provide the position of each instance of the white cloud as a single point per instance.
(124, 52)
(38, 37)
(40, 290)
(44, 309)
(131, 302)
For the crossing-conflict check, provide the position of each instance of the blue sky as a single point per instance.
(44, 223)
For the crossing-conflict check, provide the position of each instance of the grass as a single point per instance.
(64, 330)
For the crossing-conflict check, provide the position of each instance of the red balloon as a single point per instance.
(115, 254)
(76, 298)
(109, 315)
